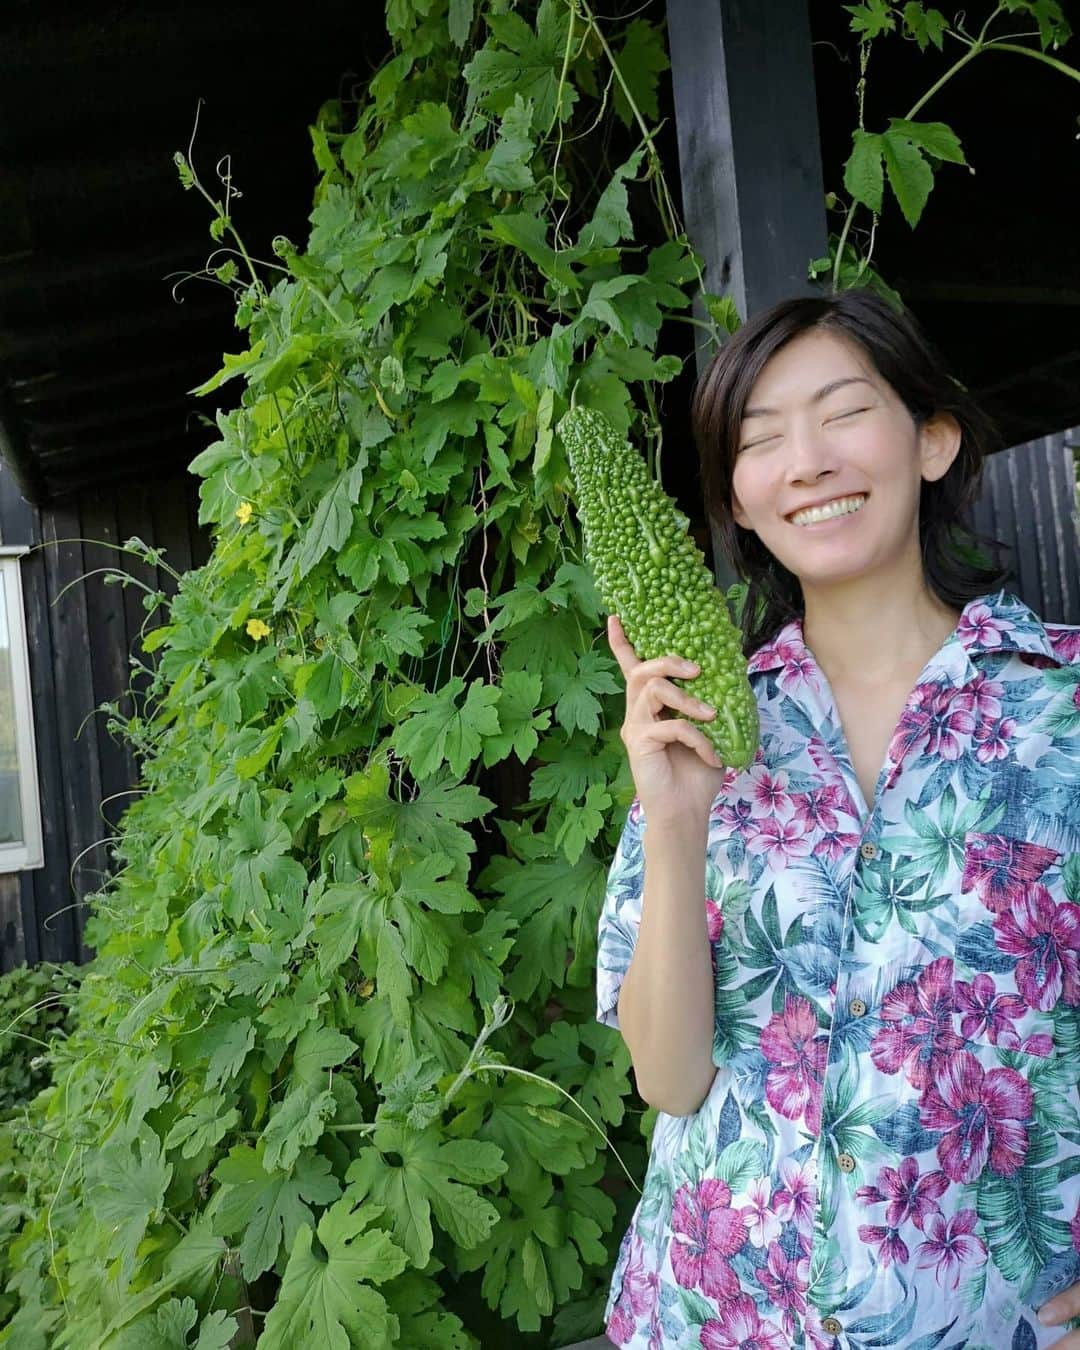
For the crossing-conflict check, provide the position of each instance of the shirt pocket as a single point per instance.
(1017, 955)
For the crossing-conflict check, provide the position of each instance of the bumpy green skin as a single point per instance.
(650, 572)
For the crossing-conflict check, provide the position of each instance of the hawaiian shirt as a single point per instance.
(889, 1154)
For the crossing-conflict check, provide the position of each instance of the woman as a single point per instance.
(864, 1043)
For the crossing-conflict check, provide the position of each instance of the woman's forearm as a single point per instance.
(666, 1005)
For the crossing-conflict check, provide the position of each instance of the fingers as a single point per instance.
(673, 731)
(656, 694)
(639, 671)
(1060, 1308)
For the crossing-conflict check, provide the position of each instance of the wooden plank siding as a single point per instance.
(80, 634)
(1029, 502)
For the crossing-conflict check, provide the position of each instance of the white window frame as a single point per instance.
(29, 853)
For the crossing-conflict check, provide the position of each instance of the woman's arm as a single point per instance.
(667, 1001)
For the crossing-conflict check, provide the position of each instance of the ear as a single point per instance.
(939, 444)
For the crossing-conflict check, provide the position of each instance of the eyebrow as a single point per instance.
(823, 392)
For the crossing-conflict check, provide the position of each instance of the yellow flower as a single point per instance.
(243, 512)
(365, 988)
(257, 629)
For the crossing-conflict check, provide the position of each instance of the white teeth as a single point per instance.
(843, 506)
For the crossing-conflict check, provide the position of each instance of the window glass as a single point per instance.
(11, 827)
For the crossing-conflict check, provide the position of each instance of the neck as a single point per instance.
(870, 633)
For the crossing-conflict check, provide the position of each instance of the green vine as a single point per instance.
(907, 153)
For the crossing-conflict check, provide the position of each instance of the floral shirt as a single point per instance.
(889, 1154)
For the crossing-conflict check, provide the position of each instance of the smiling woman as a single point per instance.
(849, 975)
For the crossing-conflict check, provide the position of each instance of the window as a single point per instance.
(20, 813)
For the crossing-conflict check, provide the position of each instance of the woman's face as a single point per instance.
(822, 426)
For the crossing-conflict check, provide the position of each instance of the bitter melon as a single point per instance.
(650, 572)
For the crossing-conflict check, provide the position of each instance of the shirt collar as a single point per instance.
(997, 622)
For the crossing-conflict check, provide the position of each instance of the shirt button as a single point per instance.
(869, 851)
(831, 1326)
(857, 1008)
(845, 1162)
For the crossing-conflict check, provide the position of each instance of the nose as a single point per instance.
(809, 456)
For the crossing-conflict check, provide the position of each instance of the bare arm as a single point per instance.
(666, 1005)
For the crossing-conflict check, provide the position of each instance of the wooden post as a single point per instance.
(749, 152)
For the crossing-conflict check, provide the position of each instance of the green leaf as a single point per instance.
(267, 1208)
(126, 1190)
(508, 164)
(934, 137)
(204, 1125)
(330, 525)
(576, 703)
(440, 732)
(642, 59)
(519, 722)
(863, 176)
(591, 1062)
(925, 25)
(910, 176)
(330, 1302)
(167, 1327)
(517, 61)
(583, 822)
(460, 21)
(428, 1179)
(871, 20)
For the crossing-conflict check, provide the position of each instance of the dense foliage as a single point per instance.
(281, 1084)
(318, 1090)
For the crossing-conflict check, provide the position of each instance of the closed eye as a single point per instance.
(851, 412)
(761, 440)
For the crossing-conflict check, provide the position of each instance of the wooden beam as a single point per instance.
(749, 151)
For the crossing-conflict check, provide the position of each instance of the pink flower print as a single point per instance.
(918, 1033)
(768, 793)
(822, 807)
(978, 627)
(1075, 1229)
(706, 1231)
(981, 1115)
(1046, 938)
(992, 740)
(714, 918)
(891, 1246)
(741, 1327)
(796, 1199)
(910, 1197)
(985, 1014)
(620, 1327)
(800, 672)
(986, 695)
(999, 868)
(762, 1224)
(797, 1057)
(736, 818)
(913, 727)
(785, 1280)
(951, 1245)
(951, 722)
(779, 840)
(1066, 645)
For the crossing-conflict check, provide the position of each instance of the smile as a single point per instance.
(842, 506)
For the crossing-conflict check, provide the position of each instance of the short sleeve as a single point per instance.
(620, 916)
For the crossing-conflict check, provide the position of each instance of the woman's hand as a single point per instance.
(675, 769)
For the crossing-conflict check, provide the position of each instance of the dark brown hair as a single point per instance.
(953, 565)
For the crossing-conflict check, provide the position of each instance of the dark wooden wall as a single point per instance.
(1029, 502)
(80, 635)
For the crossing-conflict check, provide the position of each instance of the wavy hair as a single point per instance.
(954, 566)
